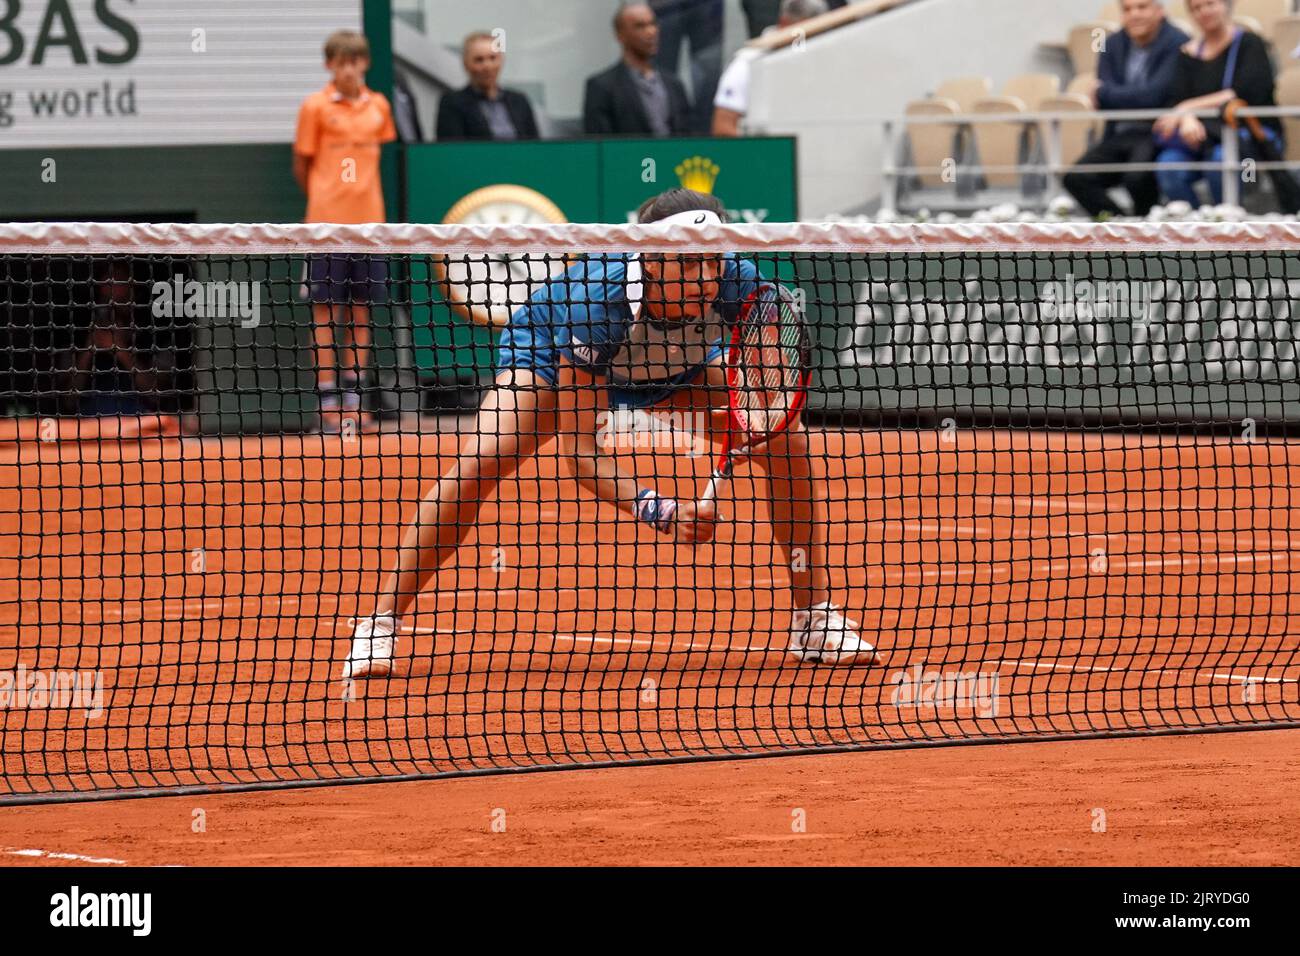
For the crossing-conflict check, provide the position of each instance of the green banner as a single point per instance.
(440, 175)
(571, 181)
(605, 180)
(1064, 338)
(754, 178)
(557, 185)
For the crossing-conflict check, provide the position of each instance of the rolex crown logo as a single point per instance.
(697, 173)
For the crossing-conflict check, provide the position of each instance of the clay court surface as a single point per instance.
(1111, 582)
(1217, 799)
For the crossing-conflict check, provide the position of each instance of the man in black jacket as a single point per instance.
(1135, 72)
(632, 97)
(483, 110)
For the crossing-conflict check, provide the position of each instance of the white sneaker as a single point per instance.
(821, 635)
(372, 647)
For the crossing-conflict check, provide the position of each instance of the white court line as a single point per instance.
(1044, 665)
(739, 582)
(650, 645)
(1275, 539)
(1070, 504)
(216, 604)
(74, 857)
(1243, 678)
(994, 572)
(1076, 668)
(1247, 557)
(980, 528)
(970, 529)
(966, 529)
(341, 624)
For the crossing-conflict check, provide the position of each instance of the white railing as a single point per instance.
(1052, 168)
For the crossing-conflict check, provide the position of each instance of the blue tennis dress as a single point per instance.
(592, 316)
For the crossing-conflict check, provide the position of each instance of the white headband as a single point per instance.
(692, 217)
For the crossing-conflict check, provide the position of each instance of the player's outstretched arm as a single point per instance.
(584, 406)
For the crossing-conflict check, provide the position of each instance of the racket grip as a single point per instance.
(711, 489)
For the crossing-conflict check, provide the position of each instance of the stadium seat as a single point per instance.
(1174, 10)
(1082, 44)
(999, 143)
(932, 143)
(1288, 94)
(1265, 13)
(965, 91)
(1285, 38)
(1082, 83)
(1032, 88)
(1076, 135)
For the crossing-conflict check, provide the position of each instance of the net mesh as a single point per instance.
(769, 363)
(1048, 473)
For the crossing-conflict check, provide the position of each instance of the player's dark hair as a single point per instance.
(623, 8)
(347, 45)
(674, 201)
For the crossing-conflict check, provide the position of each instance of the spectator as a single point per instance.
(114, 373)
(336, 162)
(698, 22)
(1135, 72)
(483, 110)
(1225, 64)
(760, 15)
(732, 101)
(129, 358)
(632, 97)
(405, 115)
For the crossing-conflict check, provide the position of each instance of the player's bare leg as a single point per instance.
(819, 631)
(794, 498)
(325, 338)
(354, 359)
(514, 419)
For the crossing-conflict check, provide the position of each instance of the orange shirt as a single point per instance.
(342, 137)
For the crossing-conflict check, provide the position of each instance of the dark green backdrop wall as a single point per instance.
(593, 181)
(241, 183)
(590, 181)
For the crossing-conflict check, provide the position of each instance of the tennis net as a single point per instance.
(1052, 473)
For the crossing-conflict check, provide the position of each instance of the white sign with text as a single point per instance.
(160, 72)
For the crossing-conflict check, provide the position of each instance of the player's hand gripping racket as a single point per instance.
(769, 364)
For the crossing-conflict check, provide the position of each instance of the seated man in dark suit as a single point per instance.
(1135, 72)
(483, 110)
(632, 97)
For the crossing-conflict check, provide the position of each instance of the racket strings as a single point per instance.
(769, 366)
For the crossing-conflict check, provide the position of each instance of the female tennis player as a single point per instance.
(633, 332)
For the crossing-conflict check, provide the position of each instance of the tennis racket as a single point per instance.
(769, 365)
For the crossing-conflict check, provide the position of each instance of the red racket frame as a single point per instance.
(732, 452)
